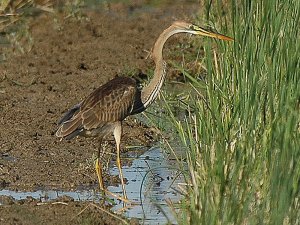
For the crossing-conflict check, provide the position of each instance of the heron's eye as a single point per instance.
(194, 27)
(197, 28)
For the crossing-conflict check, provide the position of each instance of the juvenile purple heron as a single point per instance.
(103, 111)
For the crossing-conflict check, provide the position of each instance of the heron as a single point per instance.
(101, 113)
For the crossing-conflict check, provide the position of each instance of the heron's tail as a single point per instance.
(70, 129)
(71, 112)
(70, 124)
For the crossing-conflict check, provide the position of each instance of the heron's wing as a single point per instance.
(70, 113)
(70, 128)
(111, 106)
(109, 103)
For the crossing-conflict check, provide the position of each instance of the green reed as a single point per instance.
(242, 126)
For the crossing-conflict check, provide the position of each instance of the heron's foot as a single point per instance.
(124, 199)
(125, 208)
(98, 169)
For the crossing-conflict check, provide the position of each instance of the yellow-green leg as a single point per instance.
(98, 168)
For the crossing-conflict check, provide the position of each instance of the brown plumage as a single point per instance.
(103, 111)
(110, 103)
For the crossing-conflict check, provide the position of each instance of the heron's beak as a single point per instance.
(200, 31)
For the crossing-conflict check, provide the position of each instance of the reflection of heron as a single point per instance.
(103, 111)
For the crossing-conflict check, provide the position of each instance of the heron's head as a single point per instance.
(194, 29)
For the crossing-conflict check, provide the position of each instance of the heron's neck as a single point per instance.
(150, 92)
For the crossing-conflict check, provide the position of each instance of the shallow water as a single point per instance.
(152, 180)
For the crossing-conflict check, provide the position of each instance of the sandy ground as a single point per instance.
(69, 59)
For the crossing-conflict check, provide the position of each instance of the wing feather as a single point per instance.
(69, 127)
(109, 103)
(70, 113)
(116, 107)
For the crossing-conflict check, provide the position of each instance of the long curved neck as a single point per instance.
(150, 92)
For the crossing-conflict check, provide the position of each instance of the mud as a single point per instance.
(70, 58)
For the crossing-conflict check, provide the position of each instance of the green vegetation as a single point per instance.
(242, 129)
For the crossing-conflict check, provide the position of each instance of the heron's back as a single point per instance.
(112, 102)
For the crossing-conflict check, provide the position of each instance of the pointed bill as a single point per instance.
(200, 31)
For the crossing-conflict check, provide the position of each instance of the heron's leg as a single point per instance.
(98, 166)
(117, 135)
